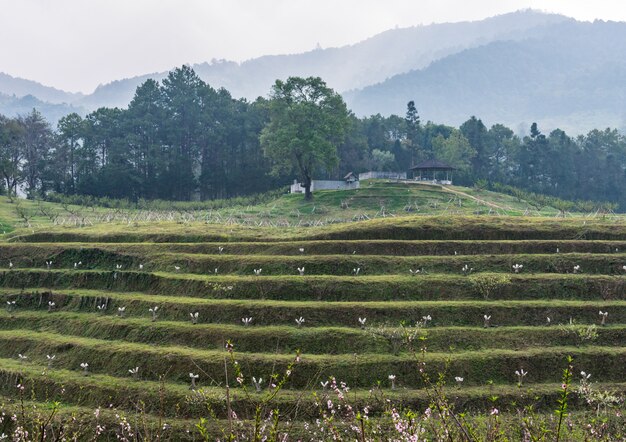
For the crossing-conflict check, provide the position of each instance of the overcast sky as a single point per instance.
(77, 44)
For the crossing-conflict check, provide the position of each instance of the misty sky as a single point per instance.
(77, 44)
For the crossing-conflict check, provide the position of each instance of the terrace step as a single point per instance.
(444, 313)
(339, 265)
(124, 393)
(174, 363)
(311, 340)
(38, 253)
(331, 288)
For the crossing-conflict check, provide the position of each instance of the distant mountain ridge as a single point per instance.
(348, 67)
(514, 68)
(20, 87)
(570, 75)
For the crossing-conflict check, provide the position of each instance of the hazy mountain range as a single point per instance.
(515, 68)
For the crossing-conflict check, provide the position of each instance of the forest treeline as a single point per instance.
(181, 139)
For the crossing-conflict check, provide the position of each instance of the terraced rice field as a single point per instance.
(72, 309)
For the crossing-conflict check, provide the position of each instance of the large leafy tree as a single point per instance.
(308, 120)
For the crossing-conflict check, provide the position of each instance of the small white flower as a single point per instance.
(194, 317)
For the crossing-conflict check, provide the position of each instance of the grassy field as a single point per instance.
(375, 199)
(82, 293)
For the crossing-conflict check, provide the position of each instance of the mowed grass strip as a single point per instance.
(174, 363)
(399, 228)
(35, 254)
(341, 265)
(320, 313)
(177, 400)
(313, 340)
(329, 288)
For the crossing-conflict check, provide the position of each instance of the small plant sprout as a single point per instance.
(624, 268)
(300, 321)
(11, 306)
(416, 271)
(257, 272)
(220, 249)
(22, 357)
(51, 306)
(193, 378)
(246, 321)
(577, 269)
(517, 268)
(467, 269)
(257, 383)
(426, 319)
(134, 372)
(362, 322)
(118, 266)
(101, 308)
(520, 376)
(155, 312)
(77, 264)
(121, 312)
(356, 271)
(48, 264)
(140, 266)
(324, 384)
(301, 271)
(194, 317)
(50, 359)
(603, 316)
(557, 250)
(301, 249)
(486, 320)
(177, 268)
(392, 378)
(10, 265)
(585, 376)
(85, 367)
(215, 270)
(548, 320)
(458, 380)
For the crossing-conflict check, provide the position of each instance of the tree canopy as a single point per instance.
(307, 121)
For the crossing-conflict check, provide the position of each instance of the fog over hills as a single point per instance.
(515, 68)
(569, 75)
(348, 67)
